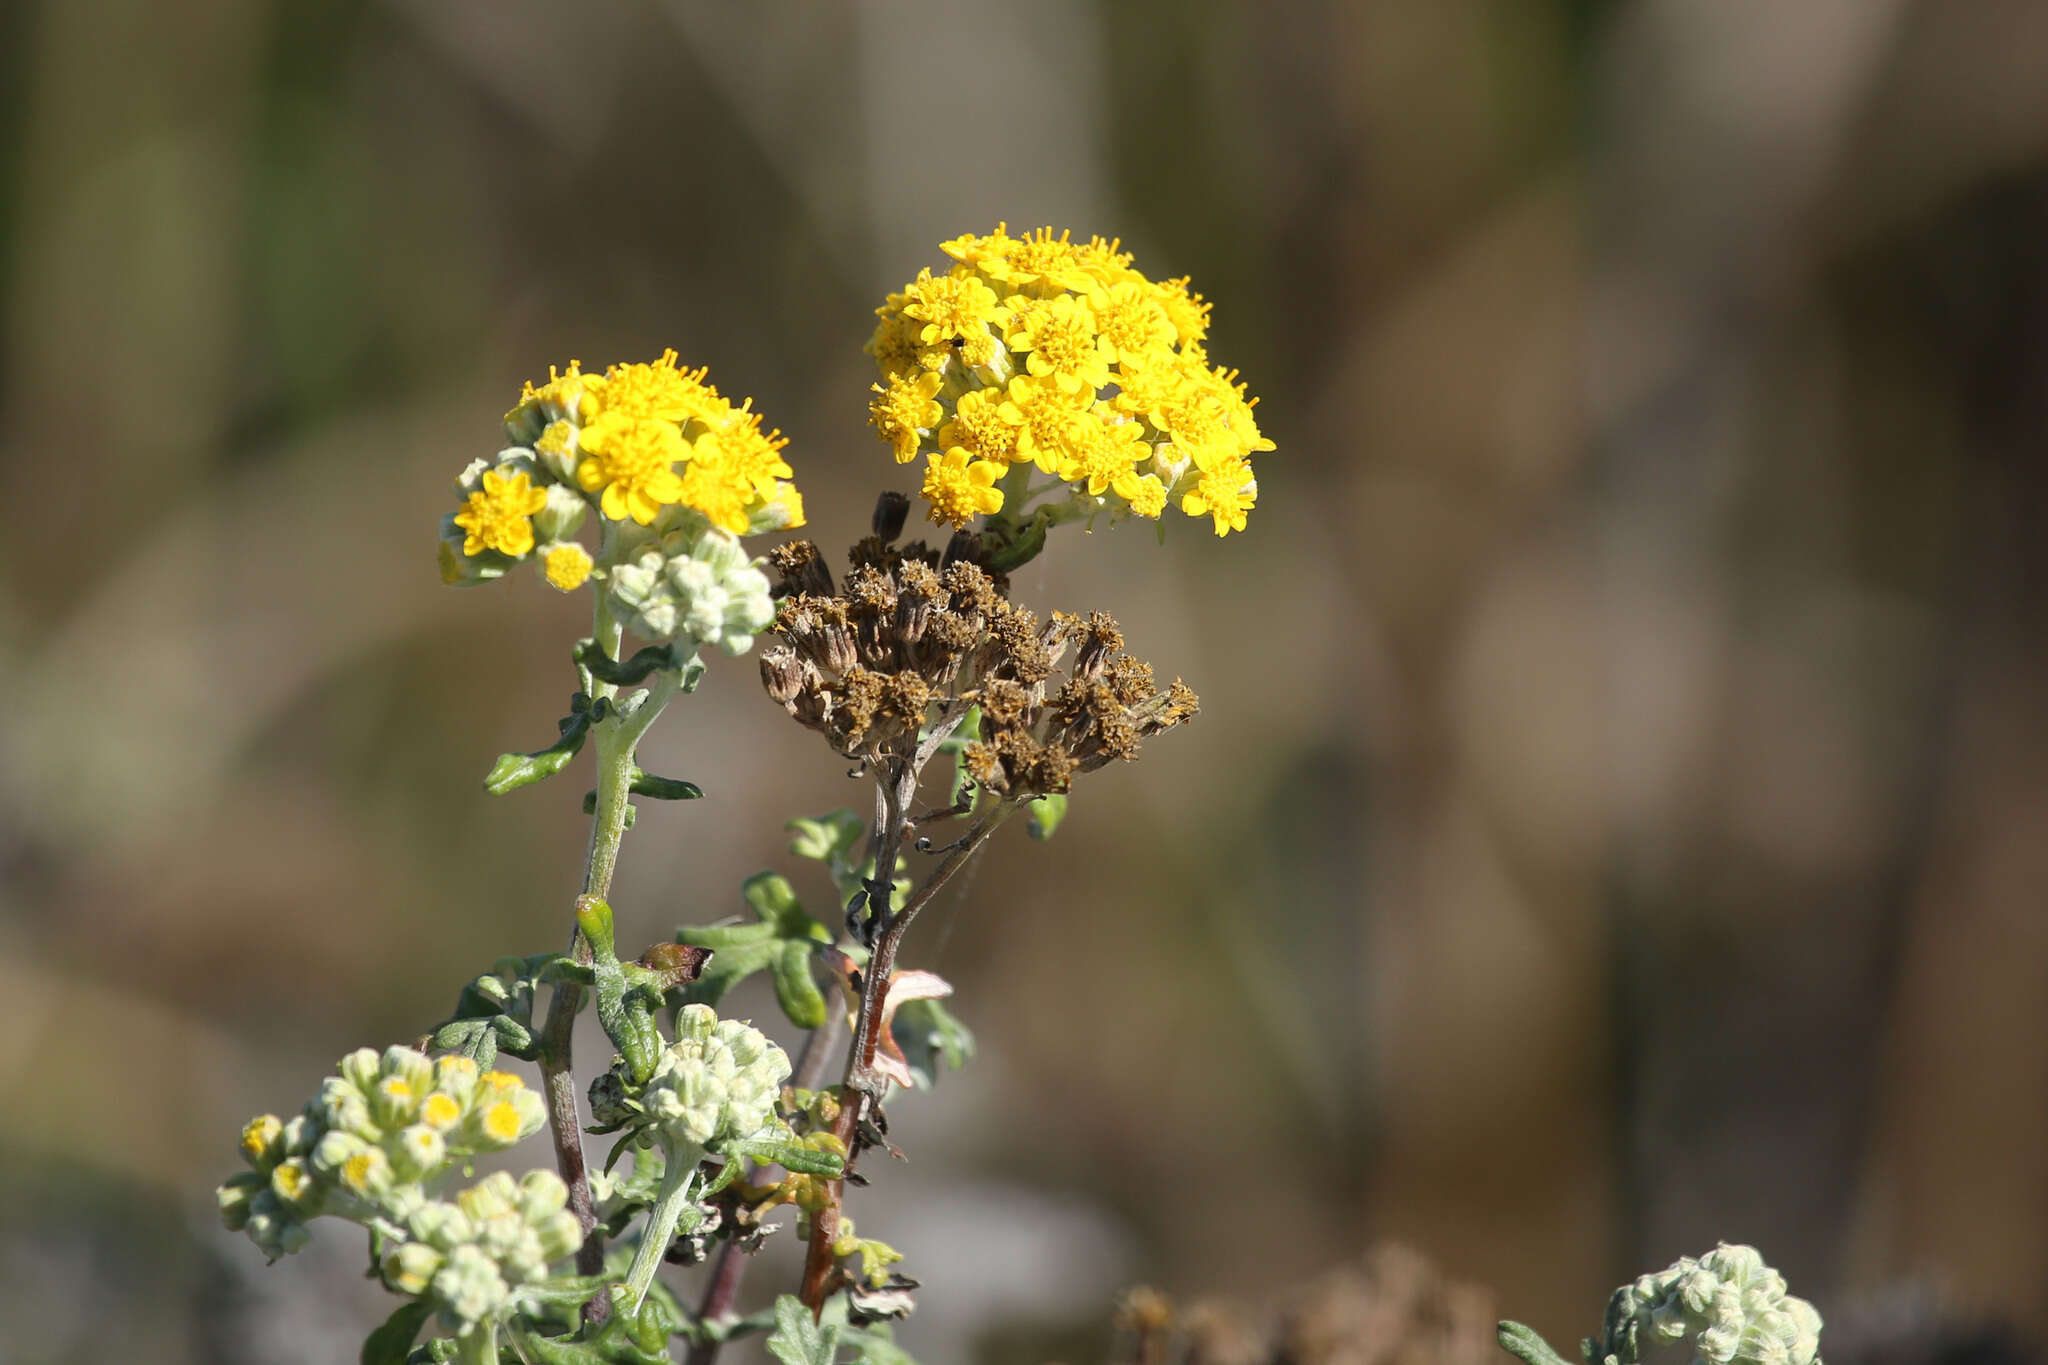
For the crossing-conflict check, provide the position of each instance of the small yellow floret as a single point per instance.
(440, 1111)
(501, 1121)
(904, 411)
(1058, 339)
(395, 1089)
(499, 516)
(1224, 491)
(961, 488)
(567, 566)
(357, 1171)
(951, 306)
(258, 1134)
(289, 1179)
(630, 461)
(500, 1082)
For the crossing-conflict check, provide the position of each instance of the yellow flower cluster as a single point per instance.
(1045, 352)
(653, 448)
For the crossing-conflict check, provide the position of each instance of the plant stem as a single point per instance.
(478, 1346)
(859, 1087)
(678, 1178)
(615, 739)
(731, 1266)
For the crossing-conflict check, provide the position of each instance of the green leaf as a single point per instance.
(781, 939)
(626, 1014)
(392, 1343)
(1525, 1342)
(797, 1340)
(513, 771)
(875, 1346)
(828, 838)
(796, 990)
(605, 668)
(1046, 814)
(792, 1157)
(664, 788)
(727, 968)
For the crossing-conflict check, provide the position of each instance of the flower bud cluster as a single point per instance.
(675, 475)
(476, 1255)
(696, 583)
(914, 637)
(717, 1083)
(1734, 1307)
(367, 1145)
(1041, 351)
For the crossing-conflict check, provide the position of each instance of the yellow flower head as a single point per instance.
(499, 516)
(650, 444)
(1086, 369)
(961, 488)
(567, 565)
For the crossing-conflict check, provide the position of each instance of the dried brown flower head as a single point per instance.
(912, 638)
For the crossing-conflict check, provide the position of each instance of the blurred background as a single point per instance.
(1618, 817)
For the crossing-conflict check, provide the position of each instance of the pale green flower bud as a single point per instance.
(456, 1077)
(695, 583)
(234, 1197)
(561, 516)
(542, 1195)
(298, 1135)
(419, 1152)
(411, 1266)
(558, 1234)
(415, 1068)
(492, 1197)
(469, 1288)
(295, 1187)
(343, 1107)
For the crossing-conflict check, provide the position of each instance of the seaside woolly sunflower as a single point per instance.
(1044, 379)
(675, 474)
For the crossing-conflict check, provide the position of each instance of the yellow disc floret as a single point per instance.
(499, 516)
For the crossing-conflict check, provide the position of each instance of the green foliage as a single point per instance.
(625, 1007)
(782, 939)
(513, 771)
(1046, 813)
(494, 1013)
(391, 1343)
(797, 1340)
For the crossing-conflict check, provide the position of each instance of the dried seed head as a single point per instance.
(782, 674)
(802, 567)
(909, 641)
